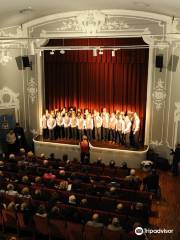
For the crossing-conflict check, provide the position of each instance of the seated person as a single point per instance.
(41, 211)
(94, 222)
(25, 180)
(10, 190)
(114, 226)
(72, 200)
(25, 193)
(38, 195)
(133, 178)
(112, 192)
(120, 209)
(55, 212)
(84, 203)
(49, 178)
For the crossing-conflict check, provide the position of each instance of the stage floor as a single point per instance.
(94, 143)
(104, 150)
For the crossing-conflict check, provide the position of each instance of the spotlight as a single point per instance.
(52, 52)
(62, 51)
(101, 52)
(94, 52)
(113, 53)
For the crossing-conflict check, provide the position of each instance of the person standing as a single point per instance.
(105, 124)
(66, 123)
(44, 127)
(135, 129)
(120, 127)
(89, 126)
(97, 125)
(73, 124)
(11, 142)
(59, 124)
(80, 125)
(51, 123)
(176, 160)
(20, 136)
(85, 150)
(127, 131)
(112, 127)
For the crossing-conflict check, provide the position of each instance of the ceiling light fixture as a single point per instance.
(101, 52)
(51, 52)
(113, 53)
(94, 52)
(62, 51)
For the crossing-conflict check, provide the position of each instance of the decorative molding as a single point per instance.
(9, 99)
(11, 32)
(97, 23)
(32, 89)
(176, 123)
(159, 94)
(5, 57)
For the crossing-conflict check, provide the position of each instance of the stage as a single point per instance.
(105, 150)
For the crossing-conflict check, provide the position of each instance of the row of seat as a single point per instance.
(51, 228)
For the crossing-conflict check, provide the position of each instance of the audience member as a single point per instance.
(41, 211)
(10, 190)
(114, 226)
(94, 222)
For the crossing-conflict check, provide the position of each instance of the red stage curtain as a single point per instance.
(80, 80)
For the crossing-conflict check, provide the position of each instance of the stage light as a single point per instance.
(94, 52)
(101, 52)
(62, 51)
(51, 52)
(113, 53)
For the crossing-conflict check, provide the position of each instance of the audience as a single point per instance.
(48, 184)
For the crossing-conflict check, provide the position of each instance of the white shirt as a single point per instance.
(51, 123)
(97, 121)
(136, 125)
(127, 126)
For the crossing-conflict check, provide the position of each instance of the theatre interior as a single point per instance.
(89, 120)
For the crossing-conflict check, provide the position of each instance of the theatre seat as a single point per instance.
(41, 226)
(92, 233)
(112, 235)
(74, 231)
(57, 228)
(9, 219)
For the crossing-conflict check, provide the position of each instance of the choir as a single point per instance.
(117, 127)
